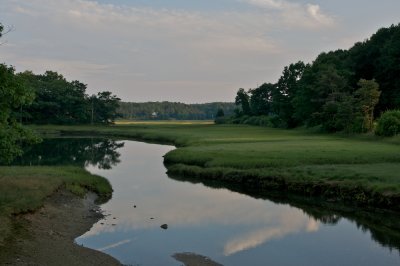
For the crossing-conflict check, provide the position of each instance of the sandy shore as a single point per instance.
(46, 237)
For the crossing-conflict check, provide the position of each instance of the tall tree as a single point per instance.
(242, 99)
(103, 107)
(367, 97)
(261, 99)
(285, 92)
(319, 81)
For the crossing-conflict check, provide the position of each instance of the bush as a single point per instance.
(221, 120)
(389, 124)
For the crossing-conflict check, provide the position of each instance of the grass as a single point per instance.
(362, 169)
(163, 122)
(23, 189)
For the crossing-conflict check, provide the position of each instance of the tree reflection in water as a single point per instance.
(73, 151)
(384, 226)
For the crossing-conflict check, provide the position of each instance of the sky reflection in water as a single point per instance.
(229, 227)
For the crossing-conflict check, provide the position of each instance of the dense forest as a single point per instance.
(342, 90)
(173, 110)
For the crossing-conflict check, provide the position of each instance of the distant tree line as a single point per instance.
(343, 90)
(173, 110)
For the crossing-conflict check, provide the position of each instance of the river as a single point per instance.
(231, 228)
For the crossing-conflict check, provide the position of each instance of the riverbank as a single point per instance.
(43, 209)
(357, 170)
(46, 236)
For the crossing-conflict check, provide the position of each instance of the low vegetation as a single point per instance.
(389, 124)
(23, 189)
(360, 170)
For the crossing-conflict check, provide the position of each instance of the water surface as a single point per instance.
(229, 227)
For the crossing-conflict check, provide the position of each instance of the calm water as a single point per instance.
(229, 227)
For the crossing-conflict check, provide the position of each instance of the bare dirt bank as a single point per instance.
(46, 237)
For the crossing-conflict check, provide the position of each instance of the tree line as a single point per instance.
(173, 110)
(342, 90)
(58, 101)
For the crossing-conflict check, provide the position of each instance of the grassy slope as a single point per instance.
(23, 189)
(362, 169)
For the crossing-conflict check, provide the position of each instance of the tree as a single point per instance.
(220, 113)
(287, 87)
(59, 101)
(261, 99)
(103, 107)
(242, 99)
(13, 95)
(319, 81)
(367, 98)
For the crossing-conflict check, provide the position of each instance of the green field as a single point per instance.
(23, 189)
(362, 169)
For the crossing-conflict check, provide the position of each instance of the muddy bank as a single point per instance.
(46, 237)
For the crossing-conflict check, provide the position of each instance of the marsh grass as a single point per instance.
(300, 159)
(23, 189)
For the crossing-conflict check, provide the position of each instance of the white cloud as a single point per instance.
(268, 3)
(262, 236)
(295, 14)
(316, 13)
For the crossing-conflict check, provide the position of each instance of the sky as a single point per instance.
(191, 51)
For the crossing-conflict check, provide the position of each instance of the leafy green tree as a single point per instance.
(318, 82)
(242, 99)
(340, 113)
(287, 87)
(57, 100)
(103, 107)
(13, 95)
(378, 58)
(367, 98)
(261, 99)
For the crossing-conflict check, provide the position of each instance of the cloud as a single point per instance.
(295, 14)
(268, 3)
(262, 236)
(183, 55)
(315, 12)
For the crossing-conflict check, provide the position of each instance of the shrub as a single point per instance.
(389, 124)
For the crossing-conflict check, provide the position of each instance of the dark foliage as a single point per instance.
(389, 124)
(59, 101)
(341, 90)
